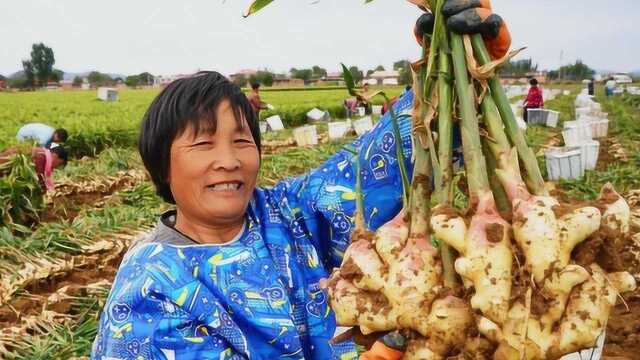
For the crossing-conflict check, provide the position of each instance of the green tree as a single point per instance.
(303, 74)
(97, 78)
(318, 72)
(357, 74)
(146, 79)
(574, 72)
(262, 77)
(518, 68)
(132, 81)
(57, 75)
(403, 67)
(42, 59)
(29, 75)
(379, 68)
(77, 81)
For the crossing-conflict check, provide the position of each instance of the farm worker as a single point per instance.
(235, 271)
(363, 101)
(45, 135)
(591, 87)
(256, 102)
(534, 99)
(45, 161)
(609, 87)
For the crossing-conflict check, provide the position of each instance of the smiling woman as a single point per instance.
(234, 272)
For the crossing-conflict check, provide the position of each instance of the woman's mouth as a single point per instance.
(226, 186)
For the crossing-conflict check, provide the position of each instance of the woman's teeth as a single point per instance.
(226, 186)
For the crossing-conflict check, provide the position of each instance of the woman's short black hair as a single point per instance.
(62, 134)
(194, 101)
(61, 153)
(255, 86)
(533, 82)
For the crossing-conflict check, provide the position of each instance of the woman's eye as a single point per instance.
(244, 141)
(202, 143)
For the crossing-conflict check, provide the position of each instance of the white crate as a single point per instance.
(536, 117)
(577, 132)
(107, 94)
(589, 150)
(552, 118)
(316, 114)
(275, 123)
(338, 130)
(583, 111)
(363, 125)
(599, 128)
(564, 163)
(376, 109)
(306, 135)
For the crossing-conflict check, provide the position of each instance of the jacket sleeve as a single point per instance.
(144, 317)
(324, 199)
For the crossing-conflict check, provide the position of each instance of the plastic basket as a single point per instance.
(589, 150)
(338, 130)
(599, 128)
(306, 135)
(536, 117)
(363, 125)
(552, 118)
(564, 163)
(577, 132)
(275, 123)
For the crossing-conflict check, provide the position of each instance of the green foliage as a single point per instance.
(21, 197)
(518, 68)
(132, 81)
(302, 74)
(356, 74)
(262, 77)
(403, 67)
(318, 72)
(42, 60)
(97, 78)
(575, 72)
(29, 75)
(77, 81)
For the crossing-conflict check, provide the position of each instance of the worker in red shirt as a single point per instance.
(44, 160)
(255, 101)
(534, 99)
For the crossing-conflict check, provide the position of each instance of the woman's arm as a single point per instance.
(325, 197)
(146, 314)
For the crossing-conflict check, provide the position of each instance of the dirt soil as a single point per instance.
(623, 330)
(73, 283)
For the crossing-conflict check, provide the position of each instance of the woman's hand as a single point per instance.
(469, 17)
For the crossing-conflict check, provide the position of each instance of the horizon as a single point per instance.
(179, 39)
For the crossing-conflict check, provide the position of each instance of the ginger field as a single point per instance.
(57, 267)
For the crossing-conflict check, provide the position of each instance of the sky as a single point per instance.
(171, 37)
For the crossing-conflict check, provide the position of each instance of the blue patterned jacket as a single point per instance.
(258, 296)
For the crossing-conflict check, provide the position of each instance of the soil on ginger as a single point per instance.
(623, 329)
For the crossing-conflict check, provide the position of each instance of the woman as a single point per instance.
(534, 99)
(236, 269)
(234, 272)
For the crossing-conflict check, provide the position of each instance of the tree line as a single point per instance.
(39, 71)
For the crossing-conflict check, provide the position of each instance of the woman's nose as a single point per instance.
(225, 159)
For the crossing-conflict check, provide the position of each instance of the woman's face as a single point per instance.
(212, 176)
